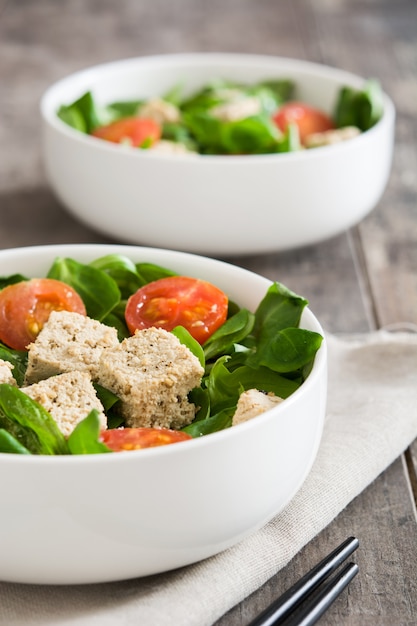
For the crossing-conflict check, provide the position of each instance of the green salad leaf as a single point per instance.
(225, 386)
(122, 270)
(279, 309)
(84, 439)
(251, 135)
(150, 272)
(11, 280)
(265, 350)
(286, 351)
(97, 289)
(201, 129)
(81, 114)
(127, 108)
(360, 108)
(210, 425)
(234, 330)
(18, 359)
(10, 444)
(282, 89)
(29, 422)
(179, 133)
(187, 340)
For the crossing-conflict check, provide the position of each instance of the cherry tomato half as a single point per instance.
(174, 301)
(26, 306)
(123, 439)
(308, 119)
(135, 130)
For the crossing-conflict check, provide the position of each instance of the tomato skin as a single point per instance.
(124, 439)
(308, 119)
(174, 301)
(135, 130)
(25, 308)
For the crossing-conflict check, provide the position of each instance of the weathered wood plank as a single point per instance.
(34, 217)
(385, 590)
(382, 44)
(46, 40)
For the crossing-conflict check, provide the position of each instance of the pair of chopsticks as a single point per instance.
(299, 596)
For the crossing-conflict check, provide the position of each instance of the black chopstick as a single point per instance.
(312, 611)
(279, 610)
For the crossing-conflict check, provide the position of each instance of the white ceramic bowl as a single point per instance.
(86, 519)
(218, 205)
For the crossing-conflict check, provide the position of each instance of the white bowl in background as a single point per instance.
(95, 518)
(217, 205)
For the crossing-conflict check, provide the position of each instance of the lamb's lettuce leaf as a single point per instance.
(200, 130)
(264, 350)
(18, 359)
(286, 351)
(362, 108)
(232, 332)
(10, 444)
(98, 290)
(84, 439)
(187, 340)
(122, 270)
(81, 114)
(251, 135)
(150, 272)
(212, 424)
(11, 280)
(29, 422)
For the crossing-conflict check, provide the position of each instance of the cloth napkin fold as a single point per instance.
(371, 419)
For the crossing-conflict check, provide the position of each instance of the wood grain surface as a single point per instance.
(360, 280)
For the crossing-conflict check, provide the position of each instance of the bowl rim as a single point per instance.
(50, 118)
(318, 370)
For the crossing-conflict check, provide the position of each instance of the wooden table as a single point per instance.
(359, 281)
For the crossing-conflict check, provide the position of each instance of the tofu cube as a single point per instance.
(69, 398)
(67, 342)
(152, 373)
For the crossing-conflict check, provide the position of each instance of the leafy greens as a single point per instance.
(204, 132)
(264, 349)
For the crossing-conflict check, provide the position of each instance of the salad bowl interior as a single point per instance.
(106, 517)
(268, 202)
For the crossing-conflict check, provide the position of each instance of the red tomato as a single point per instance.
(195, 304)
(121, 439)
(26, 306)
(308, 119)
(135, 130)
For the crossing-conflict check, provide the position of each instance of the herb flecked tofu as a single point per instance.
(6, 375)
(252, 403)
(152, 374)
(68, 341)
(69, 398)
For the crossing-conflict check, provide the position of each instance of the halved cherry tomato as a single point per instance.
(195, 304)
(122, 439)
(25, 308)
(308, 119)
(134, 130)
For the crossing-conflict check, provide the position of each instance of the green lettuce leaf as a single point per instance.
(29, 422)
(98, 290)
(84, 439)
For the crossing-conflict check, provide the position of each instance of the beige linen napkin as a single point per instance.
(371, 419)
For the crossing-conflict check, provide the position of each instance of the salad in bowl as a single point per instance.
(213, 153)
(227, 118)
(160, 357)
(87, 485)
